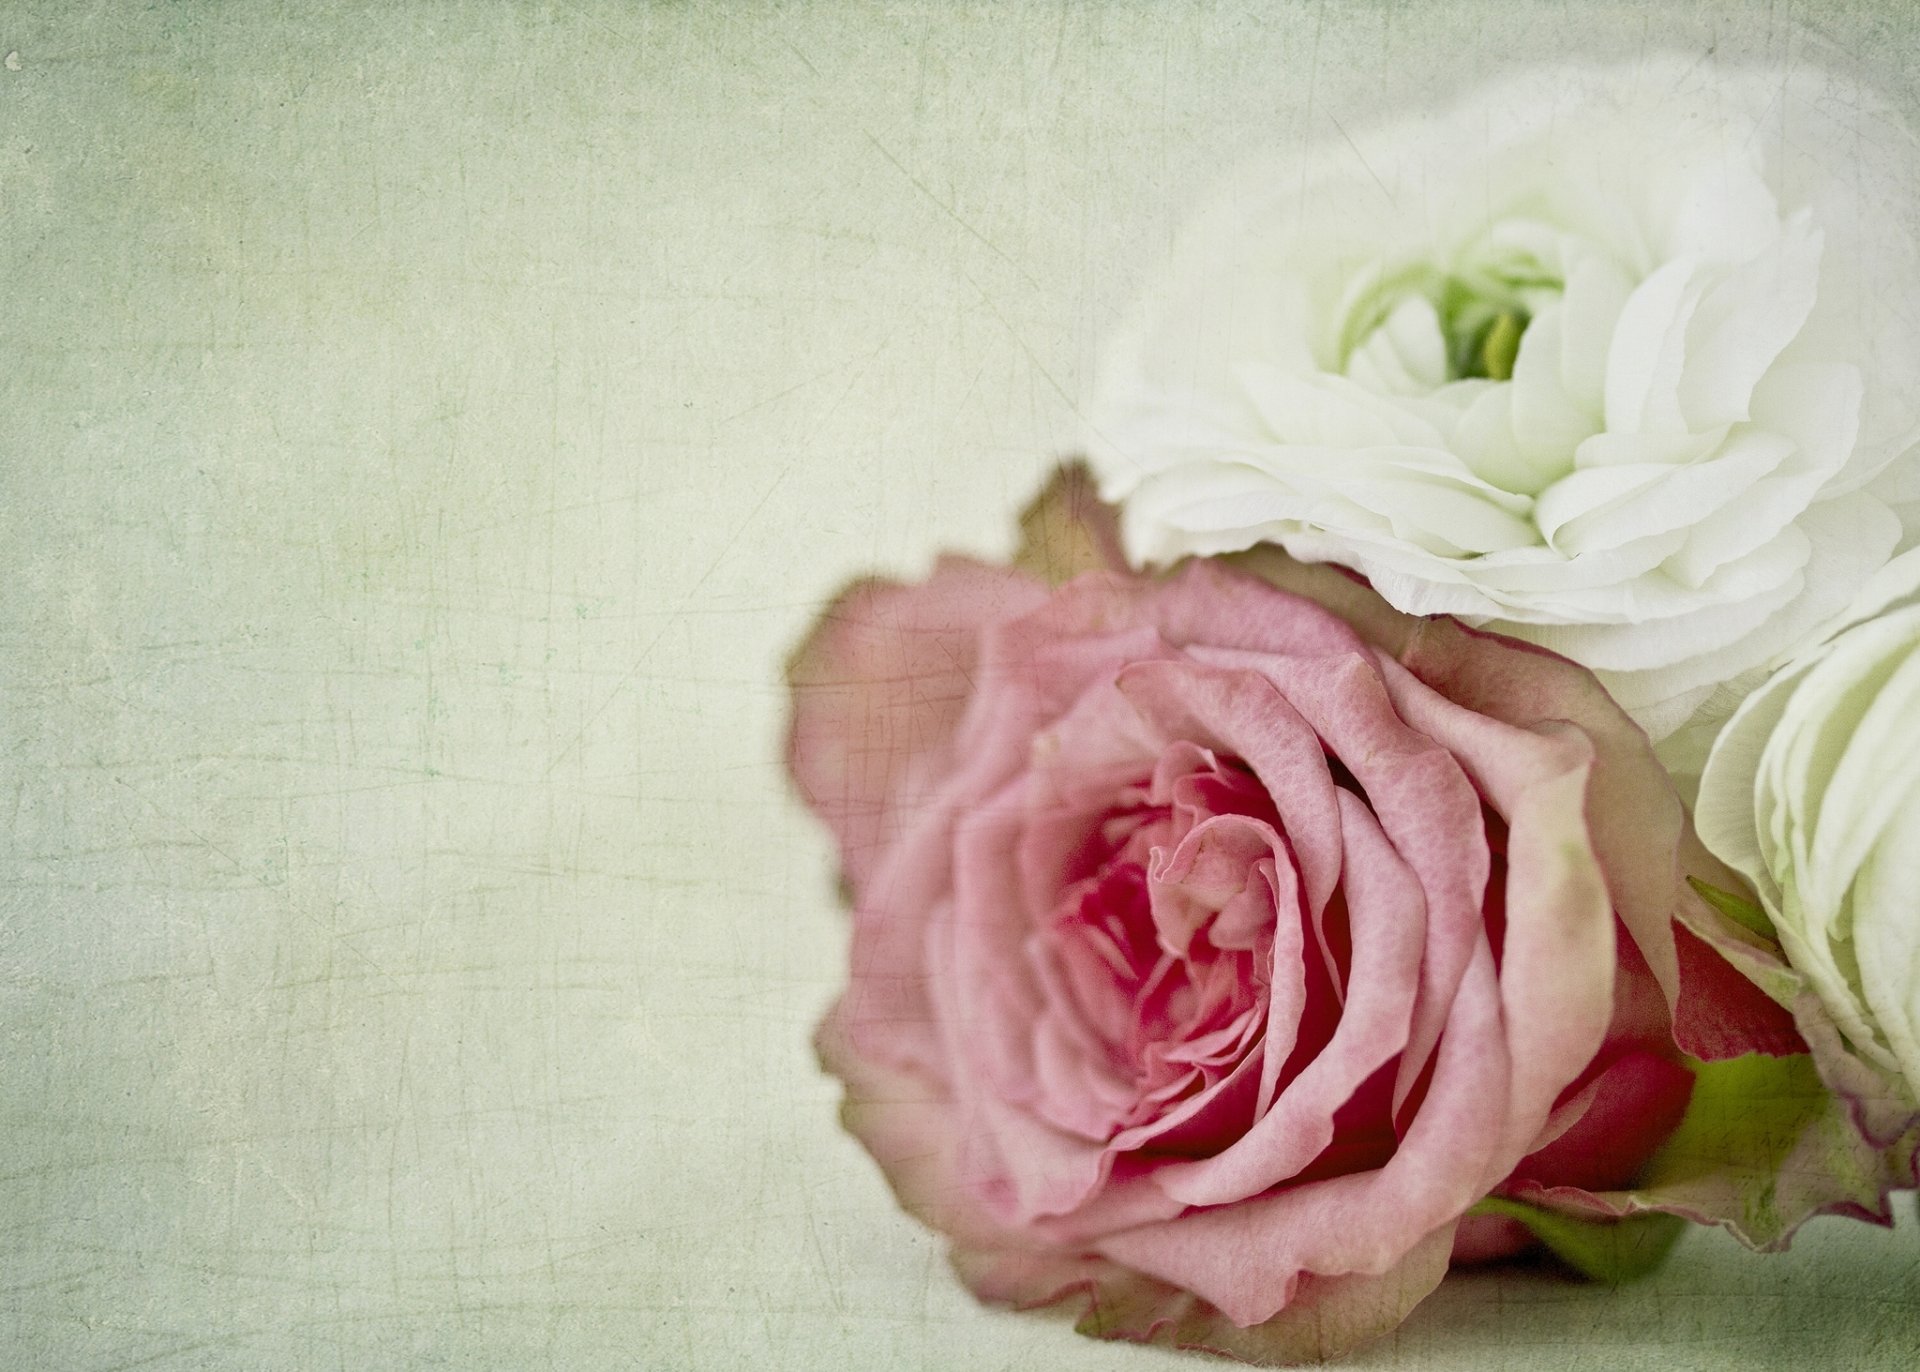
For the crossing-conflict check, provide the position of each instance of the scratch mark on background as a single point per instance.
(952, 213)
(686, 600)
(1363, 159)
(1033, 357)
(240, 870)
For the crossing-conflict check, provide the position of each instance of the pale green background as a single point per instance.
(422, 432)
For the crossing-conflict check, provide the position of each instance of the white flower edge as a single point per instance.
(1180, 452)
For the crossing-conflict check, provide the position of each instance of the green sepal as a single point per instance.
(1605, 1250)
(1741, 911)
(1765, 1139)
(1068, 530)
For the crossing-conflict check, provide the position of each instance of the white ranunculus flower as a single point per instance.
(1604, 358)
(1812, 793)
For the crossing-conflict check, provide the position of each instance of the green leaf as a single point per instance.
(1741, 911)
(1605, 1250)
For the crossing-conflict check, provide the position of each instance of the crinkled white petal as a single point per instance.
(1886, 896)
(1549, 421)
(1725, 211)
(1406, 355)
(1596, 291)
(1607, 506)
(1320, 409)
(1812, 792)
(1874, 773)
(1845, 539)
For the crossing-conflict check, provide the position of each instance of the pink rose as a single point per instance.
(1218, 946)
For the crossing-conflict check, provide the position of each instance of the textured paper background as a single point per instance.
(422, 431)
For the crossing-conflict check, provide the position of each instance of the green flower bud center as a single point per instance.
(1488, 351)
(1483, 313)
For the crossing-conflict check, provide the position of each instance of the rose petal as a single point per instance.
(1633, 1106)
(1387, 910)
(879, 687)
(1324, 1318)
(1247, 1258)
(1631, 807)
(1242, 714)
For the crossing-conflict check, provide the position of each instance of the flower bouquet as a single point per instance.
(1434, 787)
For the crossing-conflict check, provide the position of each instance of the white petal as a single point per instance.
(1743, 524)
(1406, 355)
(1324, 410)
(1596, 291)
(1659, 625)
(1846, 538)
(1584, 492)
(1548, 423)
(1881, 667)
(1724, 812)
(1621, 450)
(1484, 437)
(1894, 585)
(1817, 405)
(1679, 497)
(1886, 922)
(1745, 320)
(1726, 211)
(1540, 576)
(1795, 770)
(1644, 360)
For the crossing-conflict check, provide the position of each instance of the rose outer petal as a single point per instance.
(1557, 964)
(1326, 1317)
(1632, 811)
(878, 690)
(1629, 1111)
(1722, 1014)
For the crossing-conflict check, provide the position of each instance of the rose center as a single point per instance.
(1157, 955)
